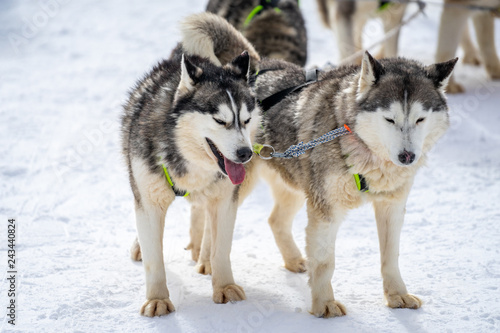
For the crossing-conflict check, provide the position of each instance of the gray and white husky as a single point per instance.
(396, 109)
(192, 121)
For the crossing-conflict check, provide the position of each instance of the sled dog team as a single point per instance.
(190, 125)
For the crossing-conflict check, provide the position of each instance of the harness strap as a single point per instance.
(264, 4)
(382, 5)
(177, 192)
(270, 101)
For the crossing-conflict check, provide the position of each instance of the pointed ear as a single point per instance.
(440, 73)
(241, 65)
(371, 71)
(190, 75)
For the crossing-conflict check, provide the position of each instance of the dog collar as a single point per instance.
(361, 183)
(171, 183)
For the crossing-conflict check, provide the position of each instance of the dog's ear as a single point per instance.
(371, 71)
(440, 73)
(190, 75)
(241, 65)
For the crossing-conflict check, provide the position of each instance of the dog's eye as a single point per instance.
(419, 120)
(389, 120)
(220, 122)
(247, 121)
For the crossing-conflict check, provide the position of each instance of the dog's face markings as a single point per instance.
(405, 114)
(230, 115)
(403, 130)
(231, 135)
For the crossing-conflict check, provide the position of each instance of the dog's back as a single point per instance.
(276, 32)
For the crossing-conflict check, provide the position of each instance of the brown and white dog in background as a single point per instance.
(454, 30)
(348, 18)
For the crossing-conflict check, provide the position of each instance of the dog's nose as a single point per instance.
(406, 157)
(244, 154)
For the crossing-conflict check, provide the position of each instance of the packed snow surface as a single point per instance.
(66, 67)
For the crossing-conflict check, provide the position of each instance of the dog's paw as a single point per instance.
(494, 72)
(328, 309)
(157, 307)
(297, 265)
(135, 251)
(204, 267)
(454, 88)
(230, 293)
(403, 301)
(471, 58)
(195, 251)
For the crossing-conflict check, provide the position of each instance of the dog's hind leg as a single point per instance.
(321, 232)
(453, 22)
(203, 266)
(196, 230)
(135, 250)
(471, 56)
(287, 203)
(485, 34)
(342, 14)
(390, 217)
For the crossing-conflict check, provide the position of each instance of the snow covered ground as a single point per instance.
(65, 70)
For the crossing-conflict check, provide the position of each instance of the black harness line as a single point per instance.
(270, 101)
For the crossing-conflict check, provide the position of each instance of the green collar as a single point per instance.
(361, 183)
(169, 180)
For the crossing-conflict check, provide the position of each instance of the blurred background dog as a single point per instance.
(348, 18)
(275, 27)
(453, 30)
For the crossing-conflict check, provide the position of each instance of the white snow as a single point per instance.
(65, 72)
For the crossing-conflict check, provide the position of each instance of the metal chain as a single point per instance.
(301, 147)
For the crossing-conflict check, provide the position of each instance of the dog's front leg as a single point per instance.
(391, 18)
(150, 219)
(321, 232)
(390, 217)
(221, 214)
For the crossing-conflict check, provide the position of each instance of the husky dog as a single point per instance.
(396, 109)
(275, 27)
(348, 18)
(190, 121)
(453, 30)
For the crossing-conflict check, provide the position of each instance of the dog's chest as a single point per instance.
(196, 179)
(389, 181)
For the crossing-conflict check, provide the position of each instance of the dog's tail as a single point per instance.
(323, 12)
(212, 37)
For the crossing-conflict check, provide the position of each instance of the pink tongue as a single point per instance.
(236, 172)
